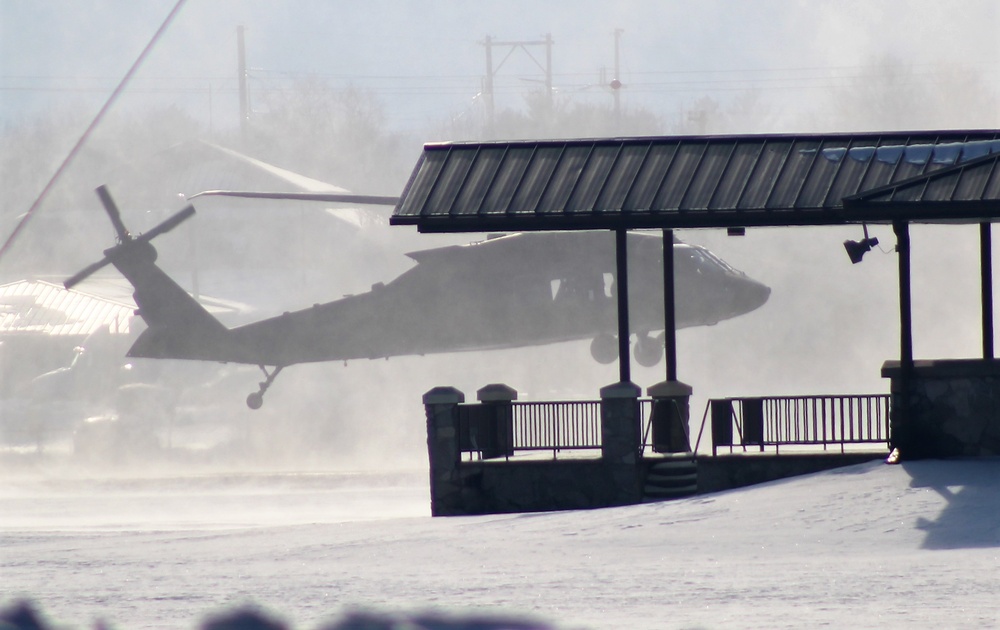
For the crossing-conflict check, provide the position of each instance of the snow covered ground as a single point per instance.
(909, 546)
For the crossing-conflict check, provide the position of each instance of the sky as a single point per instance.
(869, 546)
(427, 61)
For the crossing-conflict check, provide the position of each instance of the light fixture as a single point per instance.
(857, 249)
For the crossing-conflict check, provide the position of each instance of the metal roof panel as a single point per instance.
(790, 180)
(535, 180)
(992, 188)
(593, 178)
(690, 181)
(973, 183)
(855, 165)
(506, 180)
(705, 180)
(823, 171)
(738, 172)
(659, 158)
(629, 160)
(480, 176)
(564, 180)
(770, 162)
(414, 197)
(450, 181)
(678, 178)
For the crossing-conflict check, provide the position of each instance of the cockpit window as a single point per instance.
(701, 256)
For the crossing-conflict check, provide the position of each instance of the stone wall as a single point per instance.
(532, 486)
(726, 472)
(489, 487)
(952, 408)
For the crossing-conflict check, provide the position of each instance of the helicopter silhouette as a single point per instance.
(510, 291)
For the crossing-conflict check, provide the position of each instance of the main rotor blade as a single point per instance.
(112, 210)
(376, 200)
(128, 242)
(80, 276)
(169, 224)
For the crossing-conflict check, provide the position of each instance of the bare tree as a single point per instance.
(896, 95)
(338, 136)
(558, 118)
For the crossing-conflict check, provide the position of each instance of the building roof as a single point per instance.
(967, 191)
(703, 181)
(39, 307)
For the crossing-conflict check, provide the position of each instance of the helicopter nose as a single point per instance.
(749, 295)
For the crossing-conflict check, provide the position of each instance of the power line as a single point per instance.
(433, 83)
(89, 130)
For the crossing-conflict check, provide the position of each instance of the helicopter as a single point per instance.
(507, 291)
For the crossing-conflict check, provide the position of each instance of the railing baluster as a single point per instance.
(556, 426)
(820, 420)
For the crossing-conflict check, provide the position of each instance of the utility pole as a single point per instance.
(488, 88)
(492, 69)
(241, 73)
(616, 81)
(548, 71)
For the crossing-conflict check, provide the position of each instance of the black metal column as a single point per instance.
(669, 311)
(621, 280)
(901, 228)
(901, 433)
(986, 267)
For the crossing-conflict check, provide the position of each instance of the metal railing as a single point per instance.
(562, 425)
(491, 431)
(776, 421)
(554, 426)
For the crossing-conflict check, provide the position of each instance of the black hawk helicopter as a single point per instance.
(510, 291)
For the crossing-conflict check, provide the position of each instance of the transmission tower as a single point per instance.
(491, 70)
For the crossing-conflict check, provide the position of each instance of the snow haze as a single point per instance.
(909, 546)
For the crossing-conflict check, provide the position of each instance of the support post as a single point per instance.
(443, 449)
(901, 434)
(901, 228)
(497, 399)
(986, 267)
(621, 282)
(669, 306)
(621, 440)
(671, 417)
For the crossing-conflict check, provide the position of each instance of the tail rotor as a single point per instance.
(128, 246)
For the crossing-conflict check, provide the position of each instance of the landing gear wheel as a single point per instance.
(648, 350)
(255, 400)
(604, 349)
